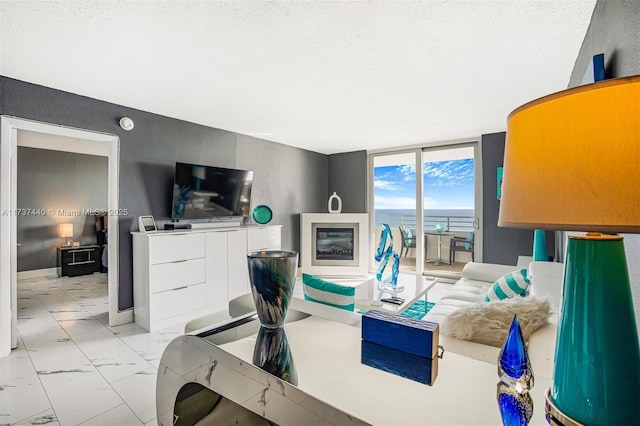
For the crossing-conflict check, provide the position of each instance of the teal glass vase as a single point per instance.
(539, 246)
(596, 377)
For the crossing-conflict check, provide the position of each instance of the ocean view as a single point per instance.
(459, 219)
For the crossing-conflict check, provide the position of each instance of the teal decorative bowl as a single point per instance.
(262, 214)
(440, 227)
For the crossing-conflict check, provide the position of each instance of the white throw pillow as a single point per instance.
(510, 285)
(489, 322)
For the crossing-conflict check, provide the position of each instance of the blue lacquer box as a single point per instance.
(404, 364)
(406, 334)
(403, 346)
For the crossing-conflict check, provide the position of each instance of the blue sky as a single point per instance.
(447, 185)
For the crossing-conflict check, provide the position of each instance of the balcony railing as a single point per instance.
(451, 223)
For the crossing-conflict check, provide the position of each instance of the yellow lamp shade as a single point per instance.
(572, 160)
(66, 230)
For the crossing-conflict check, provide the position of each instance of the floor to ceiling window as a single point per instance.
(449, 213)
(431, 210)
(394, 203)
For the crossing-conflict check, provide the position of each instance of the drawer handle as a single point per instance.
(81, 263)
(180, 261)
(180, 288)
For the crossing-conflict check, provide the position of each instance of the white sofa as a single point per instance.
(546, 279)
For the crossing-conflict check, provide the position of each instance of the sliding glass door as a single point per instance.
(428, 197)
(449, 215)
(395, 189)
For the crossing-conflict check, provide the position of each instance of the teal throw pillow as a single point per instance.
(511, 285)
(406, 232)
(328, 293)
(467, 245)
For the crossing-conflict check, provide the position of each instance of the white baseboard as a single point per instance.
(37, 273)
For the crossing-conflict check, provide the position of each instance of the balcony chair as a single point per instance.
(461, 244)
(408, 240)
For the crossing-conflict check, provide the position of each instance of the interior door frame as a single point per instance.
(84, 142)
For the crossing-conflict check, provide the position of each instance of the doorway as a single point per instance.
(61, 139)
(428, 196)
(450, 215)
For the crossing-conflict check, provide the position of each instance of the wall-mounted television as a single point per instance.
(208, 192)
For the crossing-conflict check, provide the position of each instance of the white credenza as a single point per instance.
(183, 274)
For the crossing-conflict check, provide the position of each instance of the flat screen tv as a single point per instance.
(208, 192)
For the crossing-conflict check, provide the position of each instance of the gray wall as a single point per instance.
(66, 182)
(348, 178)
(499, 245)
(615, 31)
(289, 180)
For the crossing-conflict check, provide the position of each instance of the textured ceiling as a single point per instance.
(328, 76)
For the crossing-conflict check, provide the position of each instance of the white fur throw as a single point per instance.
(489, 322)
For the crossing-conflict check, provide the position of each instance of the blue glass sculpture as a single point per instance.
(514, 367)
(516, 379)
(516, 409)
(383, 254)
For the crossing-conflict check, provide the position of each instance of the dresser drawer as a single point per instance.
(264, 238)
(175, 247)
(167, 276)
(178, 301)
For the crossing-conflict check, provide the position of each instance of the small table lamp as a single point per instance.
(66, 231)
(572, 163)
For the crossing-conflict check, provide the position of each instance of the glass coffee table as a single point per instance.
(211, 376)
(414, 288)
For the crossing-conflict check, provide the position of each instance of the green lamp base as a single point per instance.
(596, 377)
(554, 415)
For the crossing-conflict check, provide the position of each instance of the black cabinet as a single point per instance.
(83, 260)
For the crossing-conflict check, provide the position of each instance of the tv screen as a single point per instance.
(205, 192)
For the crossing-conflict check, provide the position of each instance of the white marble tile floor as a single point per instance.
(70, 367)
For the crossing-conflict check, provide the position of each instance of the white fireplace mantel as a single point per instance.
(337, 268)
